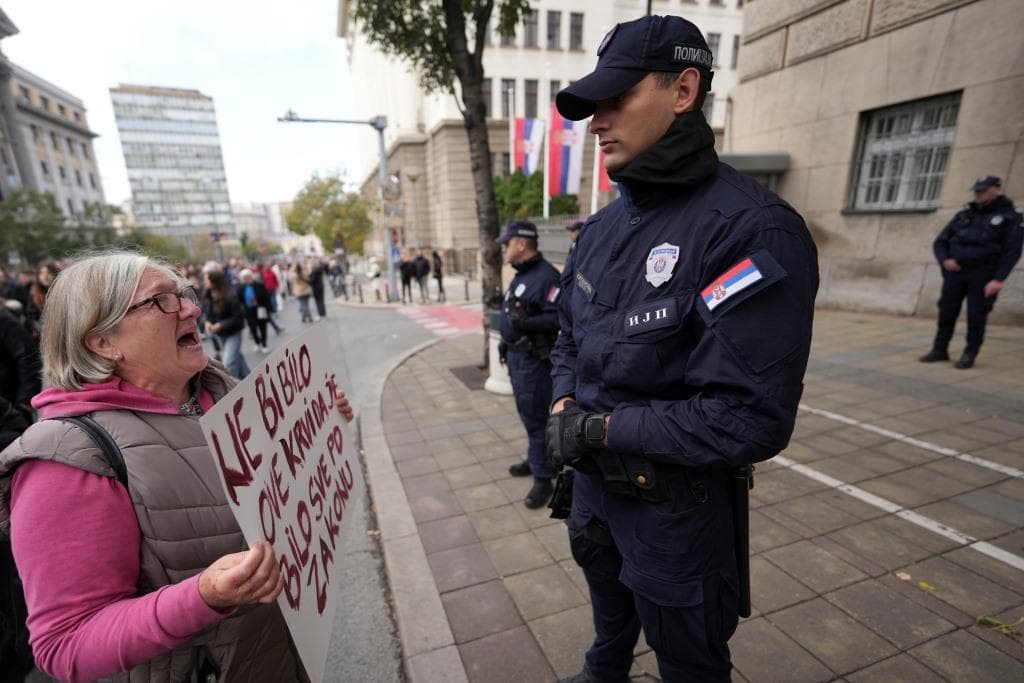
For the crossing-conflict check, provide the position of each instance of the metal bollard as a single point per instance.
(466, 285)
(360, 286)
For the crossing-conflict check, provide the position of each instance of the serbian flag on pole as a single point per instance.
(565, 157)
(529, 138)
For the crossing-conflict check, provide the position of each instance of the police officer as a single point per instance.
(529, 325)
(685, 332)
(977, 251)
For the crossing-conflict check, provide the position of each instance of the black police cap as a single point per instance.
(629, 52)
(518, 229)
(985, 182)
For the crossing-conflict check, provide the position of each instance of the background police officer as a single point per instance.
(529, 325)
(977, 251)
(685, 332)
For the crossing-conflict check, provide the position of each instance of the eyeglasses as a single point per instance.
(168, 302)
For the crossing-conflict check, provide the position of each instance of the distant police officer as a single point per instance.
(685, 332)
(977, 251)
(529, 325)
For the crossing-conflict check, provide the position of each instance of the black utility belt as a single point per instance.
(634, 476)
(532, 345)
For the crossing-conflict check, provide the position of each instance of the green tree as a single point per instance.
(444, 42)
(157, 246)
(32, 226)
(522, 196)
(323, 208)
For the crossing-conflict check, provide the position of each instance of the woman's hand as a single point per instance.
(250, 576)
(342, 404)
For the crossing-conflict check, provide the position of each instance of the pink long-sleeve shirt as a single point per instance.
(76, 543)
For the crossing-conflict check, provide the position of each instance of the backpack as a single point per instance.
(15, 653)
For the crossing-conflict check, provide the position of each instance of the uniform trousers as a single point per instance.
(967, 283)
(531, 384)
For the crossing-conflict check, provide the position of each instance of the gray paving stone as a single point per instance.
(889, 614)
(965, 519)
(555, 538)
(518, 553)
(543, 591)
(497, 522)
(434, 482)
(818, 512)
(772, 589)
(460, 567)
(573, 571)
(416, 467)
(444, 534)
(872, 541)
(781, 484)
(430, 506)
(463, 477)
(967, 472)
(766, 533)
(914, 487)
(967, 591)
(565, 637)
(814, 567)
(453, 458)
(960, 656)
(992, 503)
(479, 437)
(402, 438)
(930, 541)
(902, 668)
(841, 642)
(763, 653)
(480, 610)
(444, 664)
(481, 497)
(510, 656)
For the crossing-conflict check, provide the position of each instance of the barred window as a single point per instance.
(904, 152)
(530, 28)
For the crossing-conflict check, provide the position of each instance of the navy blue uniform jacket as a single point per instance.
(706, 369)
(983, 236)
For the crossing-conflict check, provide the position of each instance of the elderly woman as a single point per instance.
(155, 579)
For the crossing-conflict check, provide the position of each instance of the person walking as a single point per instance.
(271, 282)
(976, 250)
(407, 271)
(439, 275)
(666, 382)
(421, 268)
(224, 316)
(315, 275)
(256, 299)
(301, 290)
(529, 325)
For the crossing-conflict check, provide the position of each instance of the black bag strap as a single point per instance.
(111, 451)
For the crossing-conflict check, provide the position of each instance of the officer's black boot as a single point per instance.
(539, 494)
(520, 469)
(966, 362)
(934, 356)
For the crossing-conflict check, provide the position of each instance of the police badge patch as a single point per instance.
(997, 220)
(661, 261)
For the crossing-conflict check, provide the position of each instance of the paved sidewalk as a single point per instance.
(891, 524)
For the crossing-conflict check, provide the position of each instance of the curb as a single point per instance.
(428, 645)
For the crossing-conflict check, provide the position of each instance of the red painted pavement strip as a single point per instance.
(459, 317)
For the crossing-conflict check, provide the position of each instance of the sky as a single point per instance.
(255, 58)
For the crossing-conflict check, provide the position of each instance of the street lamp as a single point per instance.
(415, 224)
(378, 123)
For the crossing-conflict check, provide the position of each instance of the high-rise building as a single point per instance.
(45, 141)
(426, 143)
(172, 153)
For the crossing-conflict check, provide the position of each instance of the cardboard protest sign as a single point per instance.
(291, 475)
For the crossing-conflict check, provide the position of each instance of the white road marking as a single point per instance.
(925, 445)
(903, 513)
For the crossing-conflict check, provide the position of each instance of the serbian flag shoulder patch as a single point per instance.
(553, 294)
(731, 282)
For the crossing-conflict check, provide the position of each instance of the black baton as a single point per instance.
(743, 482)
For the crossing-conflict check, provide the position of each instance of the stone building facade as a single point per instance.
(888, 110)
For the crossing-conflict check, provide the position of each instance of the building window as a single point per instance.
(506, 161)
(71, 146)
(78, 177)
(71, 208)
(55, 140)
(509, 40)
(487, 34)
(903, 154)
(530, 98)
(553, 89)
(720, 3)
(45, 168)
(63, 173)
(62, 109)
(735, 59)
(77, 117)
(92, 181)
(25, 93)
(37, 134)
(488, 96)
(85, 151)
(576, 31)
(530, 28)
(554, 30)
(713, 40)
(507, 86)
(44, 102)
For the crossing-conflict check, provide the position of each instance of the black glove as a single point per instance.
(517, 315)
(572, 435)
(502, 352)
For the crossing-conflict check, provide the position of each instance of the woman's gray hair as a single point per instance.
(91, 296)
